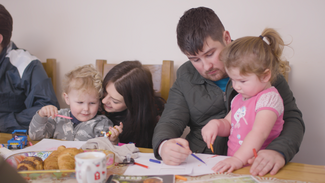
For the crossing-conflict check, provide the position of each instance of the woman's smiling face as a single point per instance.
(113, 101)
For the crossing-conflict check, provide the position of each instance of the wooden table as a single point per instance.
(291, 171)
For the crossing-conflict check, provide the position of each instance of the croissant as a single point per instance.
(31, 163)
(51, 162)
(62, 159)
(66, 159)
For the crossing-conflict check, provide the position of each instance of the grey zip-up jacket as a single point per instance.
(62, 128)
(193, 101)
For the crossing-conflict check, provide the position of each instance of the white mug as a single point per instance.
(91, 167)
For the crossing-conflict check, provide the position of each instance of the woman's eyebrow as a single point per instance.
(115, 99)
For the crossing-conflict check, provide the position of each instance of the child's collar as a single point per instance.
(74, 119)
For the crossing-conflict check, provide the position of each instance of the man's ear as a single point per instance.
(66, 98)
(266, 75)
(226, 37)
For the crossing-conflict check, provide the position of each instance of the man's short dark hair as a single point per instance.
(5, 26)
(195, 26)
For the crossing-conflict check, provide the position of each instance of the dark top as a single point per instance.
(144, 140)
(24, 88)
(193, 101)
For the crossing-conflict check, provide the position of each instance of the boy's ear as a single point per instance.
(266, 75)
(66, 98)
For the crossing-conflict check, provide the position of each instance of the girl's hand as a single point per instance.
(229, 164)
(116, 131)
(210, 131)
(48, 111)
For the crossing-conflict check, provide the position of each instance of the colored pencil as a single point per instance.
(194, 155)
(211, 148)
(63, 116)
(145, 166)
(180, 177)
(255, 153)
(198, 158)
(154, 161)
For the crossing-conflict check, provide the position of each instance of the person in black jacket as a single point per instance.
(24, 84)
(130, 99)
(203, 91)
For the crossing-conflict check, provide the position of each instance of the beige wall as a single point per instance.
(77, 32)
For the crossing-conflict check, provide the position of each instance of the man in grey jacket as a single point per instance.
(202, 91)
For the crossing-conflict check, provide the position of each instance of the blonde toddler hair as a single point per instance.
(83, 78)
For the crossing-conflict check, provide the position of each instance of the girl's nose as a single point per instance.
(235, 85)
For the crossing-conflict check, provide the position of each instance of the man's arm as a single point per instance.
(173, 120)
(39, 92)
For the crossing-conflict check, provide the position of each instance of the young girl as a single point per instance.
(82, 92)
(129, 97)
(256, 115)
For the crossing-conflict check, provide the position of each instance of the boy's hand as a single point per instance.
(48, 111)
(116, 130)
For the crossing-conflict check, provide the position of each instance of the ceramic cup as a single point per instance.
(91, 167)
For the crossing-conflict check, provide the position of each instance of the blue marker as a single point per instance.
(194, 155)
(155, 161)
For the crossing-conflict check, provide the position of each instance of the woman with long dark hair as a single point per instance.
(129, 98)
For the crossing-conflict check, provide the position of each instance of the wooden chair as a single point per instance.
(162, 75)
(50, 68)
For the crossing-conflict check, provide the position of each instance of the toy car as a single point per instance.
(19, 139)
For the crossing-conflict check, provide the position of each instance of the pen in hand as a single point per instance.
(67, 117)
(194, 155)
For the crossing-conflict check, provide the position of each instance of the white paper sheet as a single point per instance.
(48, 145)
(191, 166)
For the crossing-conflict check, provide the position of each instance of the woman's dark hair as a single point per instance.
(134, 83)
